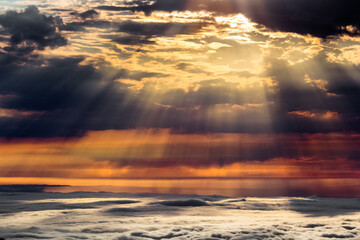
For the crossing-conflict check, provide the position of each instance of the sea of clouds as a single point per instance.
(120, 216)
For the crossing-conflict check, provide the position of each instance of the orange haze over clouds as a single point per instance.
(154, 154)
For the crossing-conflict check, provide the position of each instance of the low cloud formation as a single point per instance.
(59, 215)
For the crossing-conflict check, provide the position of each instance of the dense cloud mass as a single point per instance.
(319, 18)
(65, 88)
(32, 28)
(295, 94)
(62, 97)
(139, 216)
(190, 73)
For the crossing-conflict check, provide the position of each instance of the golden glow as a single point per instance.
(153, 153)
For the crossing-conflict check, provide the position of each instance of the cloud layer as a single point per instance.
(314, 94)
(80, 216)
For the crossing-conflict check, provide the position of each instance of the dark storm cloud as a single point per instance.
(59, 91)
(73, 98)
(68, 96)
(340, 94)
(32, 27)
(319, 18)
(56, 86)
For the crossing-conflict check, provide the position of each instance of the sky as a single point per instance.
(178, 89)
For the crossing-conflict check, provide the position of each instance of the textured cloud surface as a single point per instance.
(149, 216)
(318, 18)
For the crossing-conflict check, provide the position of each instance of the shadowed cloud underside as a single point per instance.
(179, 89)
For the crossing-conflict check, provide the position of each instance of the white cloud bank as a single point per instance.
(150, 216)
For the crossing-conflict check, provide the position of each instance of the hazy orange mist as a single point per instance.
(152, 153)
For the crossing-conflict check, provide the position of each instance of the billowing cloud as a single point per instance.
(297, 102)
(32, 28)
(57, 86)
(329, 87)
